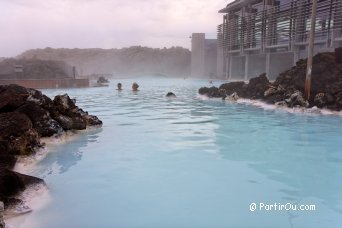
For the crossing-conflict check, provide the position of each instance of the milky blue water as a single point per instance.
(189, 162)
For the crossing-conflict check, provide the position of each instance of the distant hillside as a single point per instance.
(34, 69)
(127, 61)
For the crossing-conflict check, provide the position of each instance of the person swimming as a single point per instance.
(119, 85)
(170, 95)
(135, 86)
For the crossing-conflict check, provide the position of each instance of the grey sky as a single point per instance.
(27, 24)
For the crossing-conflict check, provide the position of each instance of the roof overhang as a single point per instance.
(231, 6)
(237, 4)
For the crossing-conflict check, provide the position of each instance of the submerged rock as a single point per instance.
(16, 207)
(11, 183)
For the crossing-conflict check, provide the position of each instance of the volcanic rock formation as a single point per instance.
(288, 88)
(26, 115)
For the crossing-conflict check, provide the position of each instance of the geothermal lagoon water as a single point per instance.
(189, 162)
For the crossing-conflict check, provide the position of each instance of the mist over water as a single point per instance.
(135, 60)
(189, 162)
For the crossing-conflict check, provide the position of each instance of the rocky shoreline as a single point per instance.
(27, 115)
(287, 90)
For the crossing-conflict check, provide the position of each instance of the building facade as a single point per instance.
(205, 57)
(270, 36)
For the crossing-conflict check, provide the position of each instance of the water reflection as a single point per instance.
(63, 156)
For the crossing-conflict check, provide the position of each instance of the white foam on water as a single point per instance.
(34, 198)
(261, 104)
(37, 196)
(26, 164)
(298, 110)
(202, 97)
(205, 98)
(265, 106)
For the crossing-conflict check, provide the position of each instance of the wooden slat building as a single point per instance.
(269, 36)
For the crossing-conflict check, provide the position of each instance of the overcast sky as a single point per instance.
(27, 24)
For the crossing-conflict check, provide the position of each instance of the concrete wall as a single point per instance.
(220, 66)
(277, 63)
(204, 56)
(250, 66)
(302, 52)
(210, 59)
(256, 65)
(197, 54)
(237, 68)
(48, 83)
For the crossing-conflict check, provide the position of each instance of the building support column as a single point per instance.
(227, 69)
(268, 60)
(230, 59)
(246, 67)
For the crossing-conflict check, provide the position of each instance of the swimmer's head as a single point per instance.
(135, 86)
